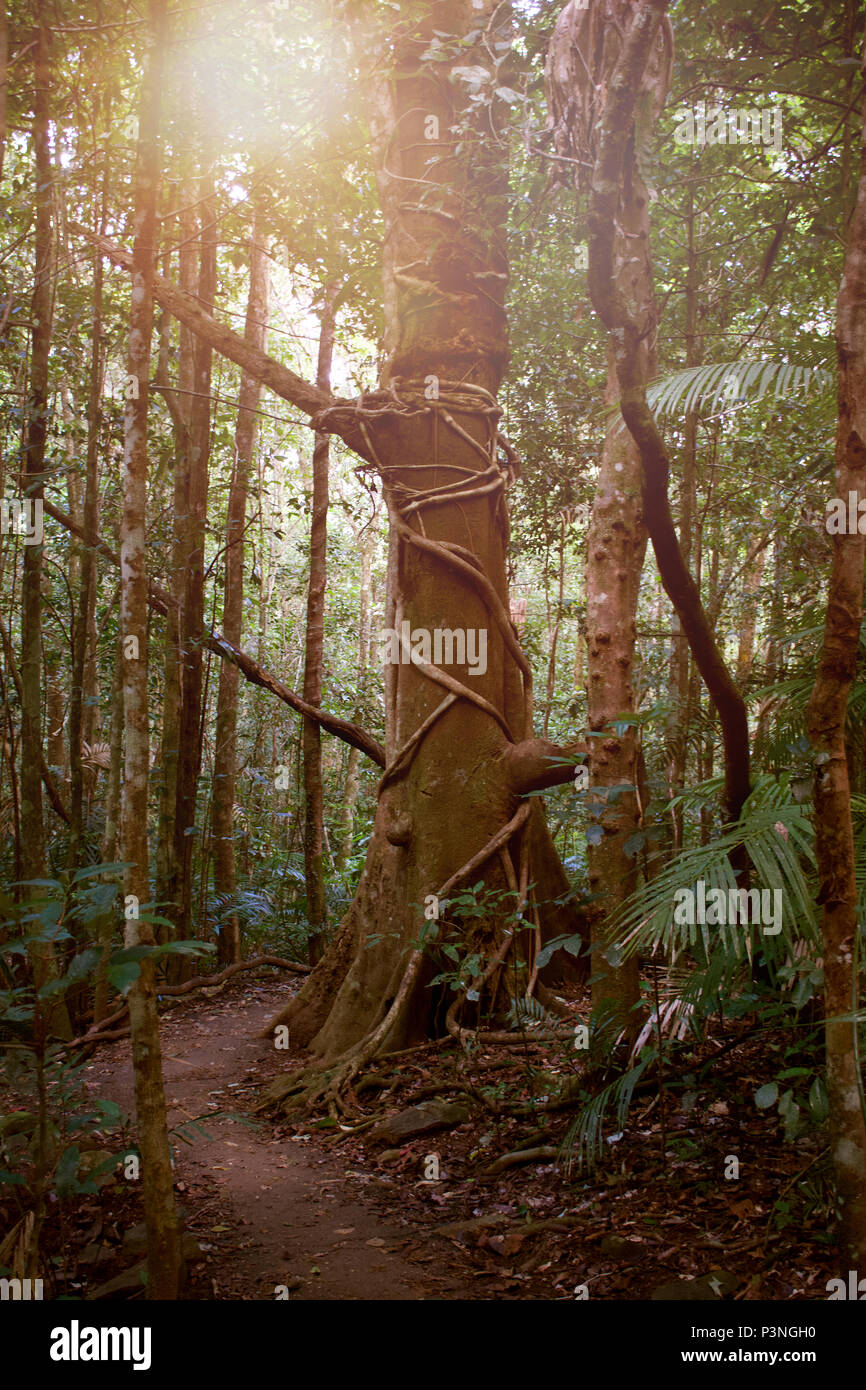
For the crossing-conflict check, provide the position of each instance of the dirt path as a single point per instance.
(268, 1208)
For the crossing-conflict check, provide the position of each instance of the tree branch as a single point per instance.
(536, 764)
(255, 363)
(159, 600)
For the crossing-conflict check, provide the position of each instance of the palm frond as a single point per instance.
(586, 1133)
(526, 1012)
(723, 385)
(96, 755)
(776, 833)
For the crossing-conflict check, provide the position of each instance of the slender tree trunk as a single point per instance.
(314, 801)
(192, 608)
(84, 617)
(225, 755)
(583, 52)
(163, 1246)
(169, 872)
(616, 545)
(4, 81)
(834, 837)
(746, 644)
(105, 929)
(115, 768)
(554, 633)
(773, 654)
(677, 727)
(352, 784)
(33, 472)
(32, 487)
(55, 716)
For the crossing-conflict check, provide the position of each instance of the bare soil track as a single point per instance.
(269, 1209)
(327, 1214)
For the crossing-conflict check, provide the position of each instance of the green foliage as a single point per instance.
(586, 1133)
(726, 385)
(46, 1146)
(776, 833)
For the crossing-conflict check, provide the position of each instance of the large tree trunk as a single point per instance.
(225, 755)
(834, 837)
(459, 745)
(314, 796)
(163, 1246)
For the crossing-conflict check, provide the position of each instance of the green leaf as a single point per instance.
(110, 1112)
(767, 1095)
(92, 870)
(707, 385)
(546, 952)
(66, 1175)
(128, 953)
(82, 965)
(819, 1102)
(184, 948)
(124, 976)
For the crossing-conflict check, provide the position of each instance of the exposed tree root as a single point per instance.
(523, 762)
(541, 1154)
(103, 1032)
(318, 1086)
